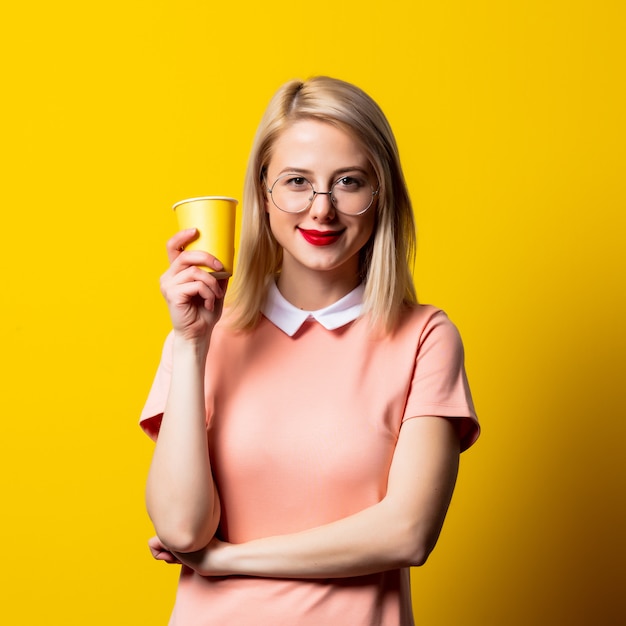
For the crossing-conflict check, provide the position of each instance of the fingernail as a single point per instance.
(217, 265)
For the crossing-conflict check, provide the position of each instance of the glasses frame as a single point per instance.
(319, 193)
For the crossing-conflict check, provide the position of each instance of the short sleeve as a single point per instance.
(152, 413)
(439, 386)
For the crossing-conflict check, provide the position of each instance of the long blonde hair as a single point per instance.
(387, 258)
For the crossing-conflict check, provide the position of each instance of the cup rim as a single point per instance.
(228, 198)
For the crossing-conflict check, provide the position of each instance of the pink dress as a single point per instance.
(302, 429)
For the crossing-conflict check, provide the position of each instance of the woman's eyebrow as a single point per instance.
(337, 172)
(294, 170)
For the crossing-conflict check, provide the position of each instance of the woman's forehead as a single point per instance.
(310, 145)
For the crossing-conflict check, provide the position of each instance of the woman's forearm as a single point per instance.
(364, 543)
(370, 541)
(399, 531)
(180, 495)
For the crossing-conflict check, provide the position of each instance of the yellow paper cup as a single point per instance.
(214, 217)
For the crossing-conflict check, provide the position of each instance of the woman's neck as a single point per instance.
(316, 291)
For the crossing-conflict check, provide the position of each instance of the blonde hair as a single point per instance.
(387, 258)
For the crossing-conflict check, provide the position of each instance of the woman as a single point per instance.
(308, 440)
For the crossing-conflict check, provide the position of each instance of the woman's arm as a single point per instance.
(399, 531)
(181, 497)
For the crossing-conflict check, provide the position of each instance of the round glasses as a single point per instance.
(350, 195)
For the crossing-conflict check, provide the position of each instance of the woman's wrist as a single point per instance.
(216, 559)
(196, 347)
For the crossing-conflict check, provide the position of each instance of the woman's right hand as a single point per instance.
(194, 296)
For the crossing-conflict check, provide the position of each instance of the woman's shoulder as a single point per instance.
(421, 321)
(423, 314)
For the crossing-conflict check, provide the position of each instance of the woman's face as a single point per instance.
(319, 239)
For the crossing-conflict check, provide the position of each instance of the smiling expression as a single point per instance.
(320, 239)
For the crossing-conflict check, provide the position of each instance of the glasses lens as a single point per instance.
(292, 194)
(351, 195)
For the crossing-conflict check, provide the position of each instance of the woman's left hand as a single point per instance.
(205, 562)
(161, 553)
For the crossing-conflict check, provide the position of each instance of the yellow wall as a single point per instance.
(510, 119)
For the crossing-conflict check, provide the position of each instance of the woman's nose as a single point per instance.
(322, 208)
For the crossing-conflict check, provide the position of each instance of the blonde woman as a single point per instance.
(307, 440)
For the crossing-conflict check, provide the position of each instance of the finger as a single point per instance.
(154, 543)
(165, 556)
(200, 258)
(160, 552)
(199, 292)
(177, 243)
(217, 304)
(206, 282)
(195, 294)
(180, 273)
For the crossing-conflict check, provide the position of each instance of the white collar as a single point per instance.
(289, 318)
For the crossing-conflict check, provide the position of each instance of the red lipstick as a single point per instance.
(321, 237)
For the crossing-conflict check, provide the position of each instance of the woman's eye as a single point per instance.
(349, 182)
(297, 181)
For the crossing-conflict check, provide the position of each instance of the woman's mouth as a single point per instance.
(321, 237)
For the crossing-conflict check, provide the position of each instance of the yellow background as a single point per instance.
(510, 120)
